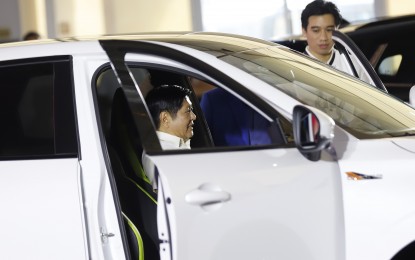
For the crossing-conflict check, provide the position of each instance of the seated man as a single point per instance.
(172, 113)
(232, 122)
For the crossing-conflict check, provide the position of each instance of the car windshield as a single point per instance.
(361, 109)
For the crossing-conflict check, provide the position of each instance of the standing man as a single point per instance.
(318, 20)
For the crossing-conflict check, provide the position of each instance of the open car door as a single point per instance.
(262, 202)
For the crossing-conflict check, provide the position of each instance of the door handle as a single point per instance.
(207, 194)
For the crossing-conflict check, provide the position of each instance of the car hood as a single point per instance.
(406, 143)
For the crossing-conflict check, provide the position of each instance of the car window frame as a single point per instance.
(64, 121)
(118, 49)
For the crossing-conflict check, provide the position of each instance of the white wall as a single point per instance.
(32, 17)
(129, 16)
(148, 15)
(66, 18)
(88, 17)
(394, 7)
(9, 20)
(92, 17)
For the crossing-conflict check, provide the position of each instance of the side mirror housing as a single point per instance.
(412, 96)
(313, 131)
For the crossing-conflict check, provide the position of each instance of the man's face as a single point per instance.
(182, 124)
(319, 35)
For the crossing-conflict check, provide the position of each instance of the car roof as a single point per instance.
(203, 38)
(215, 43)
(377, 21)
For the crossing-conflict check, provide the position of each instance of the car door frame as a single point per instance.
(351, 50)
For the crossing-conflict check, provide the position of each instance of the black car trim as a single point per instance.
(359, 54)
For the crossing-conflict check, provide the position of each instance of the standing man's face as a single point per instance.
(319, 35)
(181, 125)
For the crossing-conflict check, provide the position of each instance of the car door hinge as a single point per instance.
(105, 235)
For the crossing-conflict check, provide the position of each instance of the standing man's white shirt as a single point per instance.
(167, 142)
(336, 60)
(340, 62)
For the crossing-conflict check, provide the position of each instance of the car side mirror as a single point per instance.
(412, 96)
(313, 131)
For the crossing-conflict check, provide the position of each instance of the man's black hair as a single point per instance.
(165, 98)
(320, 7)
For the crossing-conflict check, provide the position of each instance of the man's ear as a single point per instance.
(304, 32)
(164, 119)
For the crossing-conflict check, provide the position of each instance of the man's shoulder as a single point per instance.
(214, 92)
(219, 96)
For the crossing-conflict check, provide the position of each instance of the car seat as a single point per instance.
(135, 241)
(135, 192)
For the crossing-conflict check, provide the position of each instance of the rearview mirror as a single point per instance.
(313, 131)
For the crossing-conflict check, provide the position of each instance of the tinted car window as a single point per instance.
(36, 109)
(364, 111)
(223, 120)
(395, 66)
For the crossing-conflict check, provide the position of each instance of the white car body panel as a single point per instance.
(95, 175)
(58, 219)
(50, 48)
(366, 201)
(305, 202)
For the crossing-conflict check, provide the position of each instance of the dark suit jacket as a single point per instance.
(232, 122)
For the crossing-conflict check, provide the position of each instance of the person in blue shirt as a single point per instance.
(232, 122)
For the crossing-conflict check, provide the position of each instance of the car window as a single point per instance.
(394, 63)
(36, 109)
(146, 78)
(223, 120)
(363, 110)
(232, 122)
(390, 65)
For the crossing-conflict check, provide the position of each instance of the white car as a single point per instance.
(335, 182)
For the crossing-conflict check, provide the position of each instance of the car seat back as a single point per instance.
(136, 196)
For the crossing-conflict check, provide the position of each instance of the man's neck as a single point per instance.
(323, 58)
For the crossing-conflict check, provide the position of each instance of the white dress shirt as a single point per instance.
(340, 62)
(167, 142)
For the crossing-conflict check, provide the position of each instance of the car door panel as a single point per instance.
(376, 187)
(35, 189)
(264, 205)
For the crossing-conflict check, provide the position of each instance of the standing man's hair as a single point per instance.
(320, 7)
(165, 98)
(31, 35)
